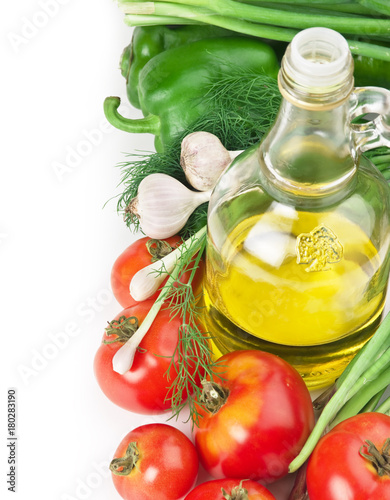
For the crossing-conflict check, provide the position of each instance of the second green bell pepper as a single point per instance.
(173, 84)
(148, 41)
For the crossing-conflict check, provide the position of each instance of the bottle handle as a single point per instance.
(374, 133)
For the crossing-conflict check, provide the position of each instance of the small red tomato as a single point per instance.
(145, 387)
(154, 462)
(343, 464)
(260, 415)
(138, 255)
(232, 489)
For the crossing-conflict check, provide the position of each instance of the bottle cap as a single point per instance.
(317, 66)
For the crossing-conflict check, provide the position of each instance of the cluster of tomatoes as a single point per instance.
(260, 416)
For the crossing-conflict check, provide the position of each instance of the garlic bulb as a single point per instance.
(163, 205)
(203, 159)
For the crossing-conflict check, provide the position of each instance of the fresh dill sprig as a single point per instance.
(249, 102)
(192, 359)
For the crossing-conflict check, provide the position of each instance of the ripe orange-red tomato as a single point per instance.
(139, 255)
(144, 388)
(214, 490)
(262, 421)
(337, 470)
(160, 464)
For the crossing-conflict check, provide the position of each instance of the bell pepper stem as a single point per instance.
(148, 125)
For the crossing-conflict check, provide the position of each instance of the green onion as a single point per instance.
(365, 391)
(373, 403)
(273, 22)
(384, 407)
(373, 362)
(381, 6)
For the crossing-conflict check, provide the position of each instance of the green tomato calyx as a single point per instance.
(122, 466)
(379, 459)
(237, 493)
(213, 396)
(158, 249)
(123, 329)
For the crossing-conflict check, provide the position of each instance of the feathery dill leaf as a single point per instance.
(192, 359)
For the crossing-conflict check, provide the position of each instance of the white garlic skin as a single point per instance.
(203, 159)
(163, 205)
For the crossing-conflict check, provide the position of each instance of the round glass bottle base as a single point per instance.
(319, 365)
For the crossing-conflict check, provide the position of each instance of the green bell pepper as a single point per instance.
(172, 84)
(148, 41)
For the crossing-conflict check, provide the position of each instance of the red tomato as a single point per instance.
(144, 388)
(264, 422)
(161, 464)
(336, 469)
(214, 490)
(137, 256)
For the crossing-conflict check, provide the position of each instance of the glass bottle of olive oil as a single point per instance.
(298, 253)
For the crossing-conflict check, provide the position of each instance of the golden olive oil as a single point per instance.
(298, 248)
(303, 285)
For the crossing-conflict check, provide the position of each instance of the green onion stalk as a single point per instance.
(362, 382)
(276, 20)
(359, 389)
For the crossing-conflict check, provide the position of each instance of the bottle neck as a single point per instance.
(310, 151)
(317, 70)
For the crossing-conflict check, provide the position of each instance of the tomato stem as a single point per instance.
(237, 493)
(124, 328)
(158, 249)
(214, 396)
(122, 466)
(379, 459)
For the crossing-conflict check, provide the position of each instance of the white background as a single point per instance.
(58, 243)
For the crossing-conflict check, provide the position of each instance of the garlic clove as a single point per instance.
(163, 205)
(203, 159)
